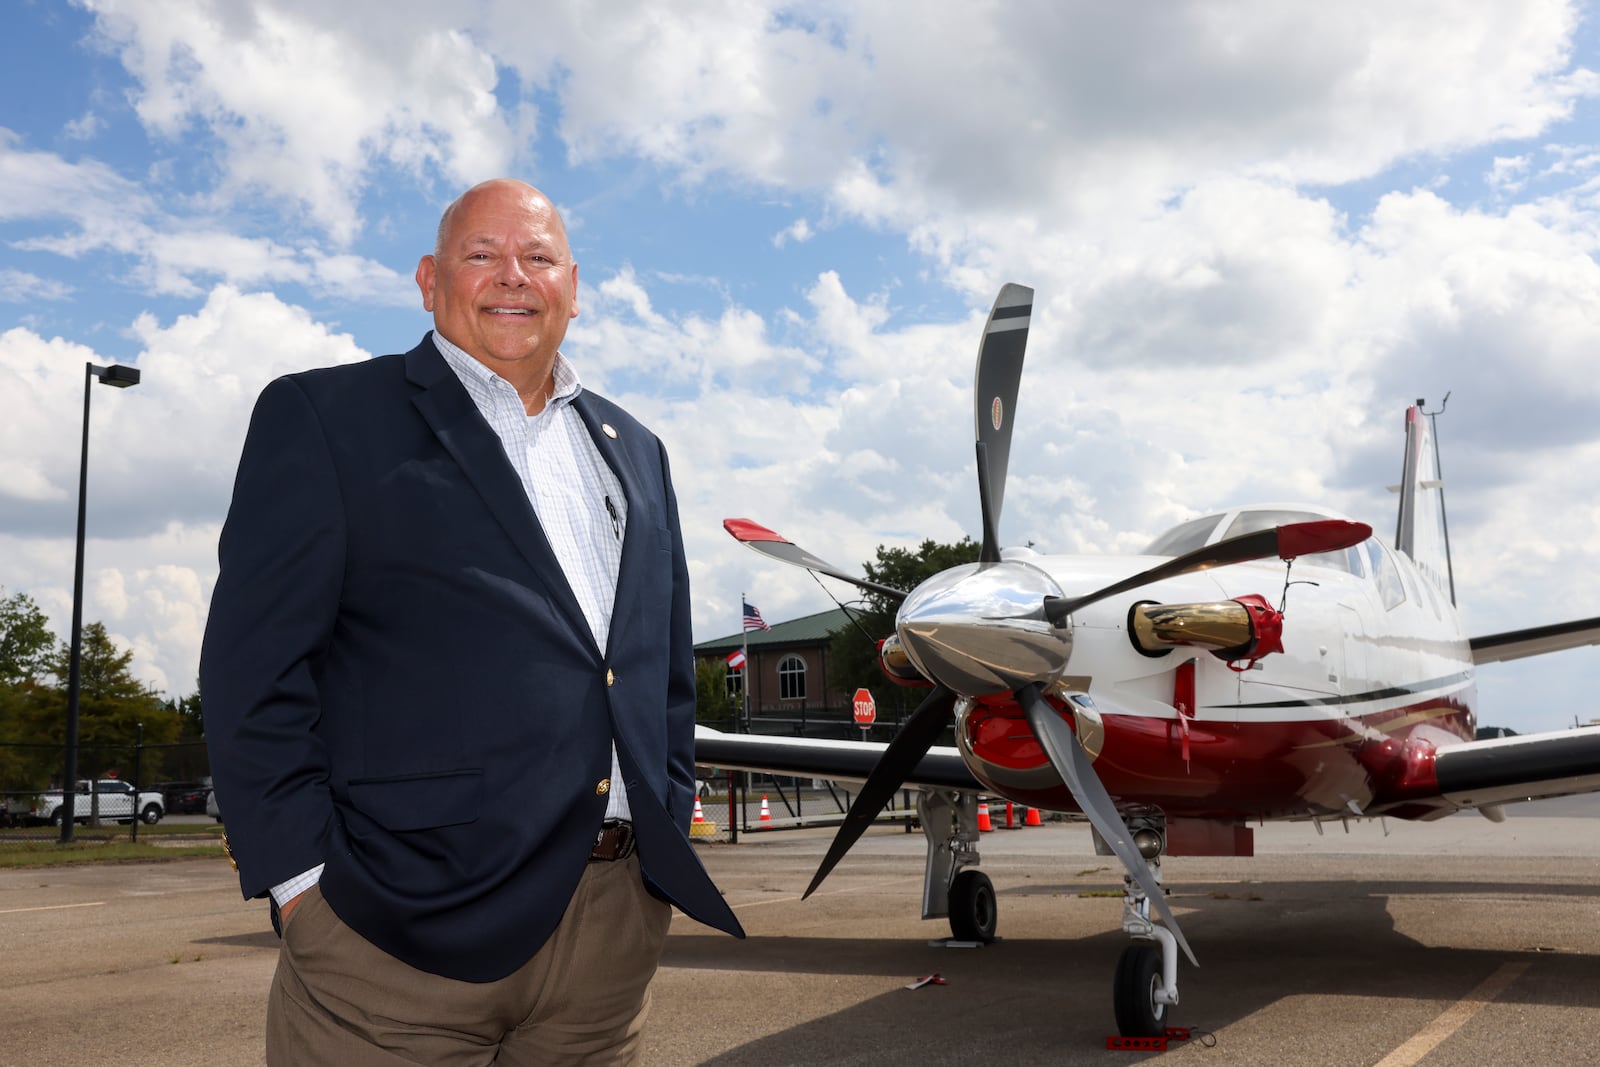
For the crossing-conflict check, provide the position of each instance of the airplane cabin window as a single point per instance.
(1386, 574)
(1184, 538)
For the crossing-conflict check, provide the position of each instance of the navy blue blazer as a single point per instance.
(398, 682)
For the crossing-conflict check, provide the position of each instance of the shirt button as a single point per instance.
(610, 678)
(603, 787)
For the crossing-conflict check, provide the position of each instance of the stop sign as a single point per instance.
(866, 711)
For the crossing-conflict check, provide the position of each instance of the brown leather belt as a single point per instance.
(615, 841)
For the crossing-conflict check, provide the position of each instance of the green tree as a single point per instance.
(25, 639)
(712, 704)
(31, 718)
(187, 709)
(853, 656)
(112, 705)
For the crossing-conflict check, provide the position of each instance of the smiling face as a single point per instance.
(502, 284)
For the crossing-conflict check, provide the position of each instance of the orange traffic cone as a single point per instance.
(699, 825)
(1011, 817)
(1032, 818)
(984, 825)
(766, 814)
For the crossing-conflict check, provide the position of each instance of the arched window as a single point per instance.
(792, 678)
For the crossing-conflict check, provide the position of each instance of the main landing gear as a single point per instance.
(952, 886)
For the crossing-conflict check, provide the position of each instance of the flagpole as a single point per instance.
(744, 678)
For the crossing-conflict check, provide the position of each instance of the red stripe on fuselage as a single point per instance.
(1235, 770)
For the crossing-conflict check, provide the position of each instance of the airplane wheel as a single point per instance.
(974, 913)
(1134, 991)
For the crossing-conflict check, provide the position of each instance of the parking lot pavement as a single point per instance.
(1465, 942)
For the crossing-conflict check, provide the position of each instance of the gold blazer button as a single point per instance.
(228, 849)
(603, 787)
(610, 678)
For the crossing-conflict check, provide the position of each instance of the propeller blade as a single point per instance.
(1005, 339)
(1286, 542)
(783, 550)
(1067, 756)
(904, 752)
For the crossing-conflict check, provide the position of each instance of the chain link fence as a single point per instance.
(121, 789)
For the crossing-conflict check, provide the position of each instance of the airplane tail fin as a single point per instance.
(1423, 532)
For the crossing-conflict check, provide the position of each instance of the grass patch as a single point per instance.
(53, 853)
(1101, 893)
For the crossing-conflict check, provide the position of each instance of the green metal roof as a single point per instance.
(806, 630)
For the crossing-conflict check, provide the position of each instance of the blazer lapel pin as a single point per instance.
(609, 430)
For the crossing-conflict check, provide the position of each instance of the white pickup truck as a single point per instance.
(116, 800)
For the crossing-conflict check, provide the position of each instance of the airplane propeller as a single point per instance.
(910, 744)
(1289, 541)
(996, 381)
(1067, 756)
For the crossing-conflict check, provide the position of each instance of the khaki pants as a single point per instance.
(582, 999)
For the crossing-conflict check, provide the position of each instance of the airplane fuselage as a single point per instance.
(1374, 676)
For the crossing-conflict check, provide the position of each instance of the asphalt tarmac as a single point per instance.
(1459, 942)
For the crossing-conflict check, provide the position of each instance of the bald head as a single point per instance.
(502, 283)
(506, 184)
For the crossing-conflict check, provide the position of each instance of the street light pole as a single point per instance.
(118, 377)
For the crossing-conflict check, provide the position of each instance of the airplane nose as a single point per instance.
(980, 628)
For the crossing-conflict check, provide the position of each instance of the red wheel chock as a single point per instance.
(1148, 1044)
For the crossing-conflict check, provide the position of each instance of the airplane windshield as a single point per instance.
(1185, 538)
(1266, 518)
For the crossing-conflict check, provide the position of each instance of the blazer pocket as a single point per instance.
(664, 538)
(420, 801)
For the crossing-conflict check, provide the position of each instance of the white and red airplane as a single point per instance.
(1266, 662)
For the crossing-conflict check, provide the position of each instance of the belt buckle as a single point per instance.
(615, 841)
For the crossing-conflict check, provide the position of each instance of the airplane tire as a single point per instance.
(974, 911)
(1134, 991)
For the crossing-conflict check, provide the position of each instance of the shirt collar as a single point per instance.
(483, 382)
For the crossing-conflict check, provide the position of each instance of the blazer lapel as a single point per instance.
(455, 420)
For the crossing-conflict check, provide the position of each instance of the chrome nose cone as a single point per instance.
(980, 628)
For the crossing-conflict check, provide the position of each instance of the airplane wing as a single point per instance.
(1525, 767)
(1536, 641)
(839, 761)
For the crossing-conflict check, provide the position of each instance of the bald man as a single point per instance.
(448, 681)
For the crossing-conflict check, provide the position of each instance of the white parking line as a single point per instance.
(51, 907)
(1454, 1017)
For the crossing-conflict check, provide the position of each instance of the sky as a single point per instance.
(1256, 231)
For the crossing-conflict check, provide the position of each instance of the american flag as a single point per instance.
(753, 619)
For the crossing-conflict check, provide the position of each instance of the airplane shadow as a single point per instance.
(1258, 944)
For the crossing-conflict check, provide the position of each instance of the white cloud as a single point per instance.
(84, 128)
(162, 460)
(304, 98)
(174, 254)
(1210, 325)
(799, 231)
(22, 287)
